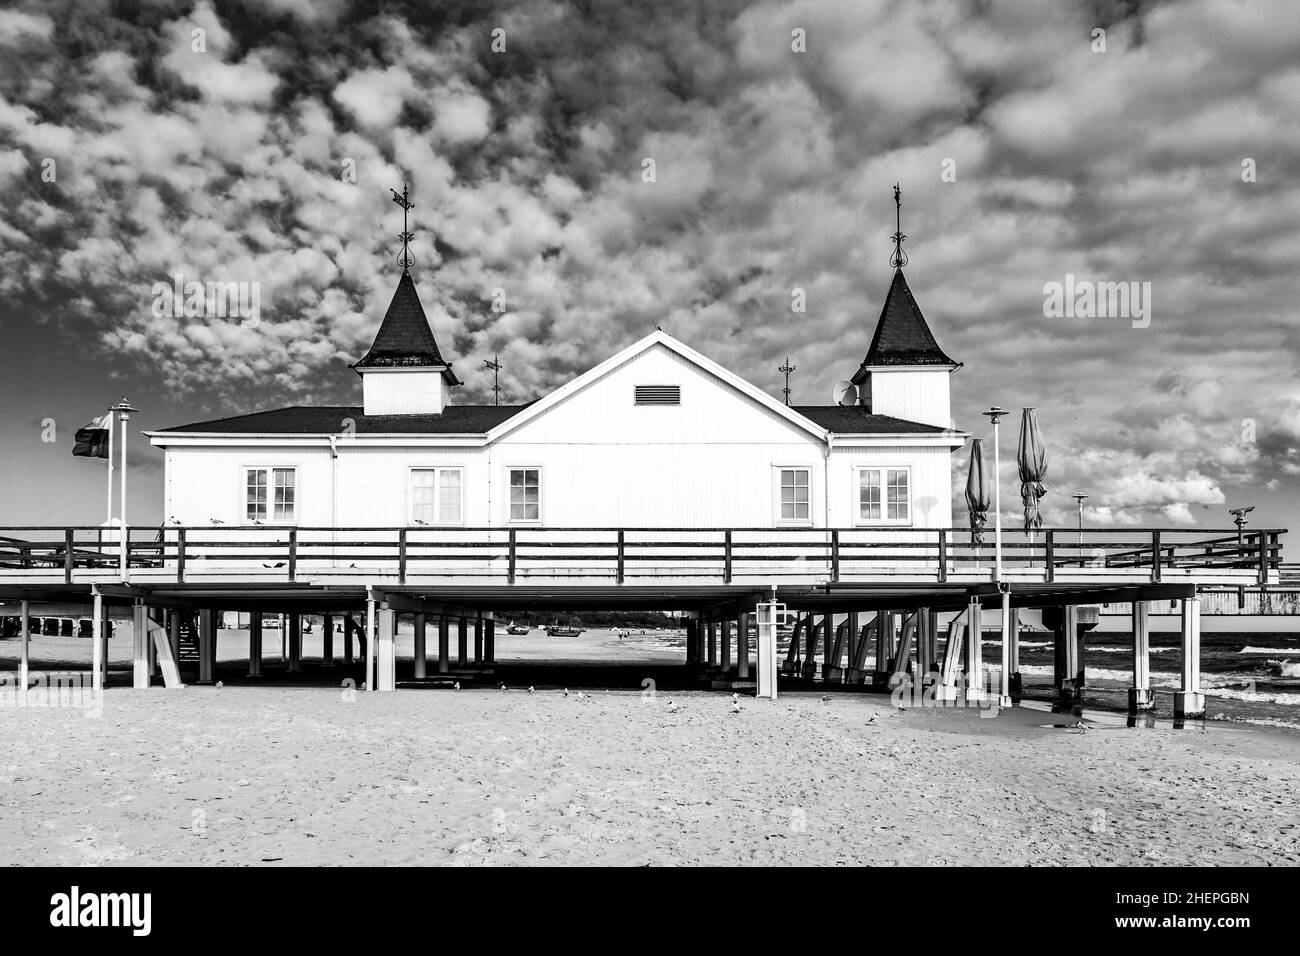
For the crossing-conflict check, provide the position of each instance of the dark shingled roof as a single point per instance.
(902, 337)
(855, 420)
(404, 339)
(328, 420)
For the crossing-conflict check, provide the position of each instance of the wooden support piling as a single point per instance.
(295, 643)
(478, 638)
(444, 644)
(742, 646)
(421, 650)
(327, 641)
(725, 638)
(24, 660)
(462, 641)
(255, 644)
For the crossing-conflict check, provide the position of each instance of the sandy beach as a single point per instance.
(248, 775)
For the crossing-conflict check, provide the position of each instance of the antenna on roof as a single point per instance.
(405, 260)
(785, 370)
(899, 258)
(495, 365)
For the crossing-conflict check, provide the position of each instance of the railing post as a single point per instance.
(511, 577)
(180, 556)
(1049, 557)
(1264, 541)
(726, 562)
(67, 555)
(943, 555)
(621, 557)
(835, 555)
(401, 556)
(1155, 556)
(293, 553)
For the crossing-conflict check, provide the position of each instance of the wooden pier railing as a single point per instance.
(624, 555)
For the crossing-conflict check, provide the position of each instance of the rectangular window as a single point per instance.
(658, 394)
(436, 496)
(885, 495)
(525, 494)
(270, 493)
(795, 501)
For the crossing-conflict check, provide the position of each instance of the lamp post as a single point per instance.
(124, 410)
(995, 416)
(1079, 499)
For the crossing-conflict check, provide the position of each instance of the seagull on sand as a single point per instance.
(672, 706)
(826, 698)
(503, 686)
(735, 704)
(530, 688)
(566, 692)
(456, 686)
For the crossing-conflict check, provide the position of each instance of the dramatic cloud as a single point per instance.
(256, 143)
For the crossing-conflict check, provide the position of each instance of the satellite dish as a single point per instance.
(846, 393)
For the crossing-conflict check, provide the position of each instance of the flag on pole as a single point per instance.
(92, 438)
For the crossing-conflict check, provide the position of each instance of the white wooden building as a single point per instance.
(657, 436)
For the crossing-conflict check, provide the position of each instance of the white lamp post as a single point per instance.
(1080, 499)
(124, 410)
(995, 416)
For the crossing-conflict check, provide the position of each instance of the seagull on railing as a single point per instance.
(216, 521)
(418, 521)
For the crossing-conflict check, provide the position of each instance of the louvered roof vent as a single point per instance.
(658, 394)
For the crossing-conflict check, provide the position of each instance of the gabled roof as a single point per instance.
(404, 339)
(856, 420)
(659, 337)
(902, 336)
(329, 420)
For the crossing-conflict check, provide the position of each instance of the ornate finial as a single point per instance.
(899, 258)
(785, 370)
(495, 366)
(405, 260)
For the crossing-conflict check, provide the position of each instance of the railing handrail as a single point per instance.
(781, 529)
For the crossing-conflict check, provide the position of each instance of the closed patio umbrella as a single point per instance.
(1032, 458)
(977, 492)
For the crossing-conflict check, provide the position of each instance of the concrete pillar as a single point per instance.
(974, 652)
(139, 647)
(765, 651)
(207, 646)
(370, 642)
(851, 638)
(421, 651)
(1189, 701)
(97, 633)
(255, 644)
(327, 640)
(295, 643)
(1139, 695)
(692, 627)
(713, 642)
(742, 646)
(490, 641)
(348, 625)
(478, 639)
(444, 644)
(462, 642)
(1070, 633)
(150, 649)
(725, 638)
(1004, 693)
(25, 635)
(386, 651)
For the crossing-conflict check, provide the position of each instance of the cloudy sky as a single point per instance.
(256, 142)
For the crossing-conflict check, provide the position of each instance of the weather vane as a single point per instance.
(899, 258)
(495, 365)
(786, 369)
(405, 261)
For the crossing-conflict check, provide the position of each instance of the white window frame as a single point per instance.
(541, 494)
(776, 497)
(884, 521)
(437, 469)
(270, 468)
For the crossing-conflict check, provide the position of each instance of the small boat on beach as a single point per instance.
(517, 628)
(560, 630)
